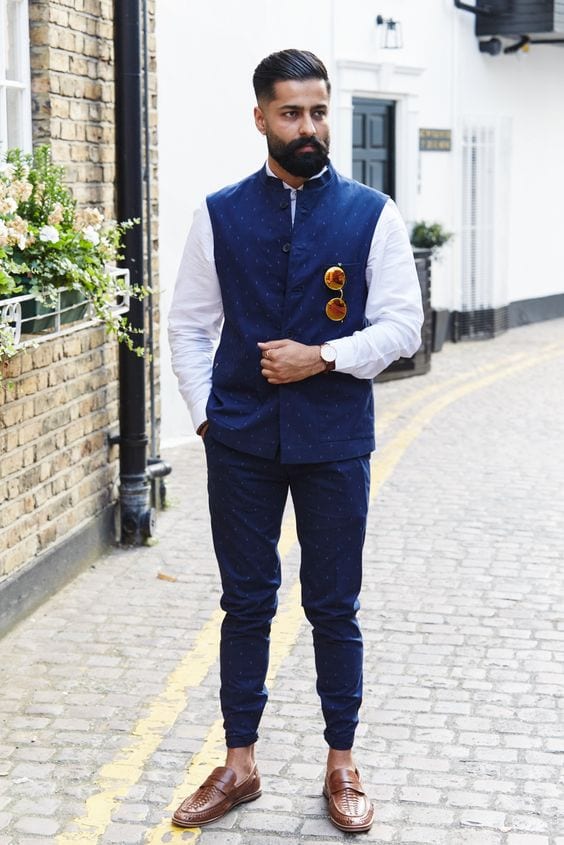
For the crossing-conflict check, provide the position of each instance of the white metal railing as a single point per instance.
(57, 319)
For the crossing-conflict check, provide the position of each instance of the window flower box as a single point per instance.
(54, 257)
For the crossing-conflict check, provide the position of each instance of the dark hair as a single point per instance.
(287, 64)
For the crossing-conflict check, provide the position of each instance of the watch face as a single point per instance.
(328, 353)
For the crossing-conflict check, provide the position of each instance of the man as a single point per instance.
(308, 280)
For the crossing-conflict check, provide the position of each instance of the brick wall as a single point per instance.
(58, 401)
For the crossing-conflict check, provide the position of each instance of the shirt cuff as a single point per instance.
(199, 415)
(346, 353)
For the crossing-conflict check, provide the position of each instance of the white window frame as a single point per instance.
(22, 84)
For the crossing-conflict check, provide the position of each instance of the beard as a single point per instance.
(299, 164)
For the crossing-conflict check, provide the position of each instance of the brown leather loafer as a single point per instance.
(349, 808)
(215, 797)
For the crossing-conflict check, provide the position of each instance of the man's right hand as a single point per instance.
(202, 429)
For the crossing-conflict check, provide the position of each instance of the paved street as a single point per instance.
(108, 706)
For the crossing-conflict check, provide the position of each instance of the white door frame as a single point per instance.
(387, 81)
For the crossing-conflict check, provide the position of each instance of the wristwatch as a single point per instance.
(328, 355)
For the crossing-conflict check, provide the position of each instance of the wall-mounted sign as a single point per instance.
(436, 140)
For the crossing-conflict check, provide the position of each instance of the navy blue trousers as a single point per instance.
(247, 495)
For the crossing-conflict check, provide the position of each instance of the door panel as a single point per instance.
(374, 144)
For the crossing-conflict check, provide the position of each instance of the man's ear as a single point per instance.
(259, 120)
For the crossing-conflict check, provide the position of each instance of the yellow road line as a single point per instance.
(116, 777)
(288, 623)
(124, 771)
(288, 536)
(285, 631)
(387, 459)
(388, 416)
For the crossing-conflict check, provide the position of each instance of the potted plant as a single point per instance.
(429, 236)
(55, 252)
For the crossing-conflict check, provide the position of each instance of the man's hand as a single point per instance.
(202, 429)
(284, 361)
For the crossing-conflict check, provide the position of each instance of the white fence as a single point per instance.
(30, 321)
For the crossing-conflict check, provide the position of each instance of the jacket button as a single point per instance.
(284, 204)
(286, 248)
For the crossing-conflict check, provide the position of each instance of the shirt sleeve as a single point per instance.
(195, 317)
(393, 306)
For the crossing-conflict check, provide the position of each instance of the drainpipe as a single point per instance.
(136, 515)
(157, 469)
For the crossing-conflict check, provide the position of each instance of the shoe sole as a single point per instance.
(243, 800)
(350, 828)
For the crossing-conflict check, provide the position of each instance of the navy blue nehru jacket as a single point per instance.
(271, 276)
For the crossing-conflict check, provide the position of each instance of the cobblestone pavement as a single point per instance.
(108, 692)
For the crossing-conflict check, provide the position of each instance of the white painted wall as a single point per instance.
(206, 55)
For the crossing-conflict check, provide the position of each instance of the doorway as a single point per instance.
(374, 144)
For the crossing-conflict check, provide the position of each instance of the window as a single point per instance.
(15, 105)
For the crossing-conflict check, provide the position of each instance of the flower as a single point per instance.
(48, 245)
(8, 205)
(18, 233)
(91, 235)
(48, 234)
(20, 190)
(7, 170)
(88, 217)
(4, 234)
(56, 216)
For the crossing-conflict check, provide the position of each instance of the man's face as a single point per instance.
(296, 126)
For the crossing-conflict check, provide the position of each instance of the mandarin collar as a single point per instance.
(316, 183)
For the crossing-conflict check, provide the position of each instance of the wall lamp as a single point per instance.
(492, 46)
(390, 34)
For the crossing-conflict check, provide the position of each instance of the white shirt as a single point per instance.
(393, 309)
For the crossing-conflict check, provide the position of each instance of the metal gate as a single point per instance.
(483, 304)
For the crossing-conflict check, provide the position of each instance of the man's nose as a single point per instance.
(307, 126)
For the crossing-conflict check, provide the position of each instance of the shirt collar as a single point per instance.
(274, 176)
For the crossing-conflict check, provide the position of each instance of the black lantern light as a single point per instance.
(390, 34)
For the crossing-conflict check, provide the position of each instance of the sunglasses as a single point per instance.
(336, 308)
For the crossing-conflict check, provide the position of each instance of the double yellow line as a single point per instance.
(117, 777)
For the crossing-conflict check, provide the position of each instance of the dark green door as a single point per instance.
(374, 144)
